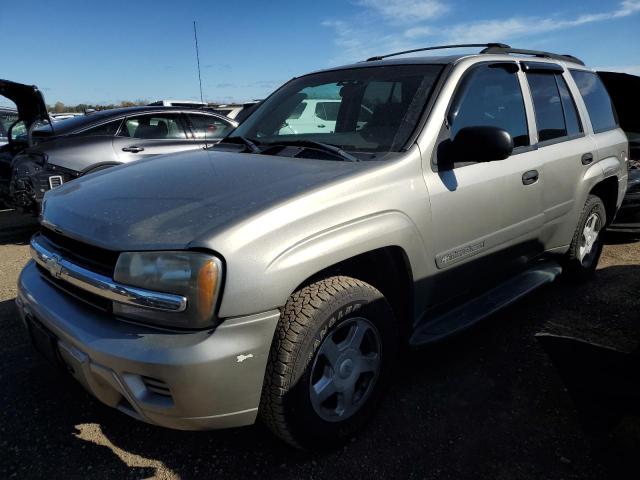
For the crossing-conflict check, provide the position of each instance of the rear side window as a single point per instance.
(596, 99)
(491, 96)
(208, 126)
(556, 115)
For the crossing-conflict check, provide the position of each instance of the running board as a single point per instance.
(478, 308)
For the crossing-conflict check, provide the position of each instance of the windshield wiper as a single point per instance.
(250, 144)
(318, 146)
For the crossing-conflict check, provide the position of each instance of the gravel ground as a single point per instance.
(484, 405)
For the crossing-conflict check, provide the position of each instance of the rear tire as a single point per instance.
(330, 358)
(588, 240)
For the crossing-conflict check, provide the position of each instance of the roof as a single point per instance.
(490, 51)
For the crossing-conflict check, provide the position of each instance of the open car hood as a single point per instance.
(28, 99)
(624, 90)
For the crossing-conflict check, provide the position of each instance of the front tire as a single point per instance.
(330, 358)
(588, 240)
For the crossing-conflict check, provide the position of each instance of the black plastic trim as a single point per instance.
(541, 67)
(536, 53)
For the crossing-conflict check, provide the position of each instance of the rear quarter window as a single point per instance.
(596, 99)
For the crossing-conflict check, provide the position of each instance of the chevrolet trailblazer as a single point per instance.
(279, 272)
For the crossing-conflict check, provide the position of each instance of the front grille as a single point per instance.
(87, 297)
(96, 259)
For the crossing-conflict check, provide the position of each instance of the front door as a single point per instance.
(486, 217)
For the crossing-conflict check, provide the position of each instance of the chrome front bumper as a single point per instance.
(188, 381)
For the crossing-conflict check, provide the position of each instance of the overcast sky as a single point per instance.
(105, 52)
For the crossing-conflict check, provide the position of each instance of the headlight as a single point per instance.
(193, 275)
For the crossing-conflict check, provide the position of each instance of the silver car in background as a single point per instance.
(85, 144)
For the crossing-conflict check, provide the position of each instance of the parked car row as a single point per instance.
(358, 209)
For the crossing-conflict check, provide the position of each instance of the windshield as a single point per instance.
(372, 109)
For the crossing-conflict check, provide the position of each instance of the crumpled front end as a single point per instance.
(31, 178)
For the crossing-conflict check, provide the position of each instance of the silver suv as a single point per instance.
(278, 273)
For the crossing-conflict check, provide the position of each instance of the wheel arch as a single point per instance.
(388, 269)
(607, 191)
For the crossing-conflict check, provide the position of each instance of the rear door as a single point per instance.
(564, 148)
(152, 134)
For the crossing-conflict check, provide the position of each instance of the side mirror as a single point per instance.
(482, 144)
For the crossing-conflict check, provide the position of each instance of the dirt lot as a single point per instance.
(487, 404)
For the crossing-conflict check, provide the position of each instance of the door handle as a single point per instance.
(530, 177)
(587, 158)
(133, 149)
(321, 126)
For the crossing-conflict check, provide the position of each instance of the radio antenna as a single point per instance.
(195, 36)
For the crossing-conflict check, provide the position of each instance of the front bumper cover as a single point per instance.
(183, 380)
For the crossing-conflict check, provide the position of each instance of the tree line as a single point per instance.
(60, 107)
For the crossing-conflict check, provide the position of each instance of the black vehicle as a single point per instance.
(16, 125)
(41, 155)
(625, 94)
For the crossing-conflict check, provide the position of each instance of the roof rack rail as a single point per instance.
(441, 47)
(497, 48)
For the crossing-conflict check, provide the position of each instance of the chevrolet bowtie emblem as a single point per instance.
(54, 265)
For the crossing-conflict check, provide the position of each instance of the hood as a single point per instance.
(171, 201)
(28, 99)
(624, 90)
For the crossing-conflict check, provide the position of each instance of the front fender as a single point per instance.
(250, 291)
